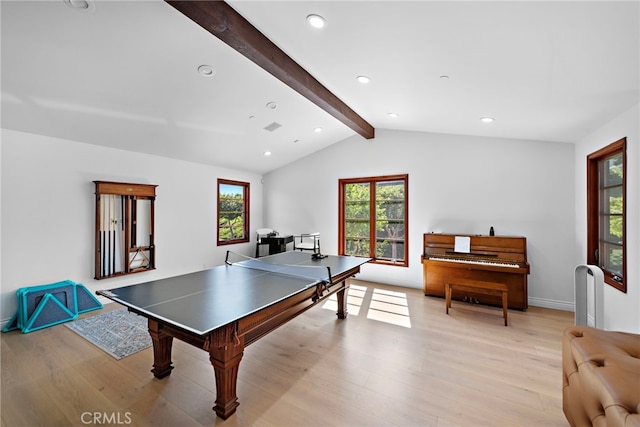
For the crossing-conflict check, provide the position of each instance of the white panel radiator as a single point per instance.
(589, 296)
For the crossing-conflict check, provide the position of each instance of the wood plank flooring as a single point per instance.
(397, 360)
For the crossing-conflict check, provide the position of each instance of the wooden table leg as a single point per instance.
(225, 352)
(162, 344)
(342, 295)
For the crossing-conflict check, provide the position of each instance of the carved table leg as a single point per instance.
(342, 300)
(225, 352)
(162, 343)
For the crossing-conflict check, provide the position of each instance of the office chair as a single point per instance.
(307, 242)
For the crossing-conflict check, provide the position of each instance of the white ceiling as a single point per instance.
(124, 74)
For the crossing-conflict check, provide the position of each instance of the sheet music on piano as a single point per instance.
(462, 244)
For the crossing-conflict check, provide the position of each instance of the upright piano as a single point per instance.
(498, 259)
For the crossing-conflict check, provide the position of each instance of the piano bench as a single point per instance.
(487, 288)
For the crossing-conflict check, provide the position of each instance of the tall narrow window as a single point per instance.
(606, 190)
(233, 212)
(373, 219)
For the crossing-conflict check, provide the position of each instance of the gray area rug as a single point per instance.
(119, 332)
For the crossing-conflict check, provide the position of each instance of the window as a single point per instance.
(373, 219)
(233, 212)
(606, 191)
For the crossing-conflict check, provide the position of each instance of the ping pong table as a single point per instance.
(224, 309)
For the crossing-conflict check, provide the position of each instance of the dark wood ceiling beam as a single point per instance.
(221, 20)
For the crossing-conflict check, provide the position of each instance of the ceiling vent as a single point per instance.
(273, 126)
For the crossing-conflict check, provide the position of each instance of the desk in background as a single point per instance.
(277, 244)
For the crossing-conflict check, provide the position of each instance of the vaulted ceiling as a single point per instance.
(125, 74)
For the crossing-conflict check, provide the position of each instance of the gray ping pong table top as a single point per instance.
(203, 301)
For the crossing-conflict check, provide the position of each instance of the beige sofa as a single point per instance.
(600, 377)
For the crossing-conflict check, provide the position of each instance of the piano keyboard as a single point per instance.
(477, 262)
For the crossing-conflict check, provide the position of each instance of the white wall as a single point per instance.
(457, 184)
(621, 311)
(48, 200)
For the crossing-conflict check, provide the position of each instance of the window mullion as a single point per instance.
(372, 219)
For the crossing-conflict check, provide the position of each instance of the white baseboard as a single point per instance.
(554, 304)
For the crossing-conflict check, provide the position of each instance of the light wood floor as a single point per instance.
(397, 360)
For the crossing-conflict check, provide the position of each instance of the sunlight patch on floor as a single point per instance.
(382, 305)
(389, 307)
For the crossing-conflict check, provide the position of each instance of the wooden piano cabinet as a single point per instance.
(497, 259)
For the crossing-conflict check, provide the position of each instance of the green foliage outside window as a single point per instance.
(390, 213)
(357, 229)
(231, 217)
(612, 210)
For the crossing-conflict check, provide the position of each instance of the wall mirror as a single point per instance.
(124, 228)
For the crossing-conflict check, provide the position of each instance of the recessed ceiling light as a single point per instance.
(206, 70)
(487, 119)
(444, 77)
(271, 105)
(317, 130)
(393, 115)
(267, 153)
(316, 21)
(363, 79)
